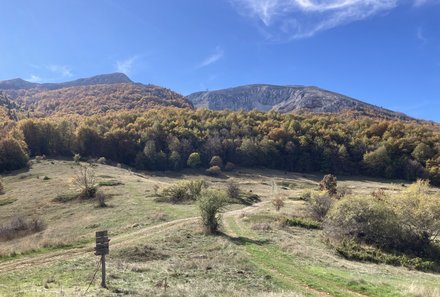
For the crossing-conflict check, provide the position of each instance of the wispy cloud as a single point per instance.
(125, 66)
(214, 57)
(421, 35)
(34, 78)
(295, 19)
(62, 70)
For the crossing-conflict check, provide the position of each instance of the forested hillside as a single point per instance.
(161, 139)
(94, 99)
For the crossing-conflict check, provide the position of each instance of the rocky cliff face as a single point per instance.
(284, 99)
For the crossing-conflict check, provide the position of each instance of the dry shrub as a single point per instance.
(182, 191)
(100, 197)
(319, 206)
(262, 227)
(278, 203)
(20, 227)
(84, 181)
(233, 190)
(329, 184)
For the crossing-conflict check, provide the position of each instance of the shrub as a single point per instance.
(229, 166)
(183, 191)
(20, 227)
(319, 205)
(214, 171)
(364, 219)
(278, 203)
(84, 181)
(63, 198)
(194, 160)
(233, 190)
(211, 204)
(300, 222)
(329, 184)
(418, 211)
(76, 158)
(2, 187)
(100, 197)
(102, 160)
(216, 161)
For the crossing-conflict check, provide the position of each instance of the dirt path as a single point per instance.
(117, 241)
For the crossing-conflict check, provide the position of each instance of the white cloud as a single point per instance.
(294, 19)
(125, 66)
(217, 55)
(62, 70)
(34, 79)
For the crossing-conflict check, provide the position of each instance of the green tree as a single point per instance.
(194, 160)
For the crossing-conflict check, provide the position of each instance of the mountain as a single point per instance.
(286, 99)
(88, 96)
(103, 79)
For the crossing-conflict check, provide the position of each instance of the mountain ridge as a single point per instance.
(287, 99)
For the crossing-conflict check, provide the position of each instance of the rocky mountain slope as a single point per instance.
(285, 99)
(98, 94)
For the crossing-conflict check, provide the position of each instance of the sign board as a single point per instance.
(102, 243)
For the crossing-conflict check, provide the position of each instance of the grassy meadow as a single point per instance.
(160, 249)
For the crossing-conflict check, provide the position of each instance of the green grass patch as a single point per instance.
(7, 201)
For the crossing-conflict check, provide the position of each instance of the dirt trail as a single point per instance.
(116, 241)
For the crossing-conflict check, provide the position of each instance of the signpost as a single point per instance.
(102, 249)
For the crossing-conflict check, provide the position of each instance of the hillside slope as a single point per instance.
(88, 96)
(286, 99)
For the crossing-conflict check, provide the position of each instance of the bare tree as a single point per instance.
(84, 181)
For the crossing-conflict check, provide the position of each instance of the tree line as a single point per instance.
(164, 138)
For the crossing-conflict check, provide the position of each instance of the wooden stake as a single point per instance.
(103, 271)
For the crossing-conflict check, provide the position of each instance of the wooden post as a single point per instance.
(103, 272)
(102, 249)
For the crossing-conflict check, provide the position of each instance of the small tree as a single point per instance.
(194, 160)
(216, 161)
(84, 181)
(211, 204)
(329, 184)
(278, 203)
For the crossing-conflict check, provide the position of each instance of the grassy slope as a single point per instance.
(153, 243)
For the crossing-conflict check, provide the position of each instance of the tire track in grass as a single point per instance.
(285, 267)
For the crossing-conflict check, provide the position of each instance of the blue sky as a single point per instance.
(383, 52)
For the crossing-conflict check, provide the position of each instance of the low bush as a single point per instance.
(319, 205)
(229, 166)
(278, 203)
(300, 222)
(233, 190)
(100, 198)
(102, 160)
(63, 198)
(20, 227)
(352, 250)
(182, 192)
(214, 171)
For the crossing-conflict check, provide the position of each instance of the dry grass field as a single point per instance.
(159, 249)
